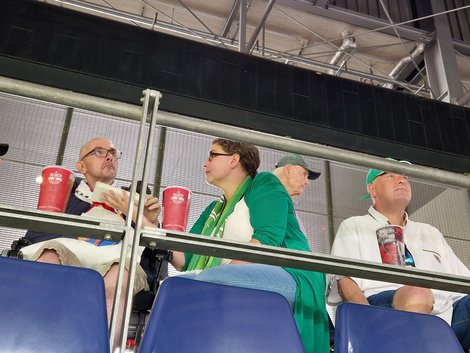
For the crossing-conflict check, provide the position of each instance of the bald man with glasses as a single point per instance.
(98, 162)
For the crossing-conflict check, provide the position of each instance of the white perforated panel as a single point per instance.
(34, 129)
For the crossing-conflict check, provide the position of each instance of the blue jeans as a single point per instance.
(461, 321)
(255, 276)
(383, 299)
(460, 316)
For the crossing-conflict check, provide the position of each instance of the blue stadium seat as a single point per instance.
(370, 329)
(200, 317)
(51, 309)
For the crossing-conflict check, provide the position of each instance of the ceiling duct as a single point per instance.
(404, 64)
(342, 55)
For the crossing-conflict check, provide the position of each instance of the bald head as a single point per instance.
(91, 144)
(98, 166)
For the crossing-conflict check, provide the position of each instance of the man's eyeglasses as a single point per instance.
(215, 154)
(103, 153)
(409, 260)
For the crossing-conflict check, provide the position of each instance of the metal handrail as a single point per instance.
(173, 240)
(312, 149)
(271, 255)
(70, 99)
(134, 112)
(42, 221)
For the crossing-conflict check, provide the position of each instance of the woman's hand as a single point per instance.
(238, 262)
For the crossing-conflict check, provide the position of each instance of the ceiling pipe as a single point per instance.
(403, 64)
(341, 56)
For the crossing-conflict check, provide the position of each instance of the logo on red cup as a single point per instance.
(55, 178)
(177, 197)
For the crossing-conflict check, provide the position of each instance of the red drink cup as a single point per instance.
(55, 188)
(176, 207)
(391, 245)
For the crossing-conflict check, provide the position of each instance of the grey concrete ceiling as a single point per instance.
(295, 32)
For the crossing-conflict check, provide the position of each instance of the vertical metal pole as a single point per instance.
(440, 59)
(263, 41)
(242, 25)
(468, 190)
(160, 156)
(128, 231)
(65, 136)
(329, 202)
(153, 104)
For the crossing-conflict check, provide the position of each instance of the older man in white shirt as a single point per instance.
(425, 248)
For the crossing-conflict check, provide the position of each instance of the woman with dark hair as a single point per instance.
(256, 208)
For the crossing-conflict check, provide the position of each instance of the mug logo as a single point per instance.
(177, 197)
(54, 178)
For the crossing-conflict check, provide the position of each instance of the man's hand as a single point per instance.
(120, 201)
(117, 200)
(152, 208)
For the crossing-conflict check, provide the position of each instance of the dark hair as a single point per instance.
(249, 154)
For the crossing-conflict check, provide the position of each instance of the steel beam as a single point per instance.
(260, 25)
(441, 63)
(231, 18)
(358, 19)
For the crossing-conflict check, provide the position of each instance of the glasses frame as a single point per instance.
(212, 155)
(116, 154)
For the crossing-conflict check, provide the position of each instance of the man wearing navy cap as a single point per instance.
(295, 174)
(424, 248)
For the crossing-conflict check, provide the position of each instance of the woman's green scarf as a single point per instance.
(215, 225)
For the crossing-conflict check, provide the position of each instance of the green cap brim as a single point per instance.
(374, 173)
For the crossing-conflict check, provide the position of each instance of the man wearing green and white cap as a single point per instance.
(295, 174)
(425, 248)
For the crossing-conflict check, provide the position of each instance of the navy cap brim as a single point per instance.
(313, 175)
(3, 148)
